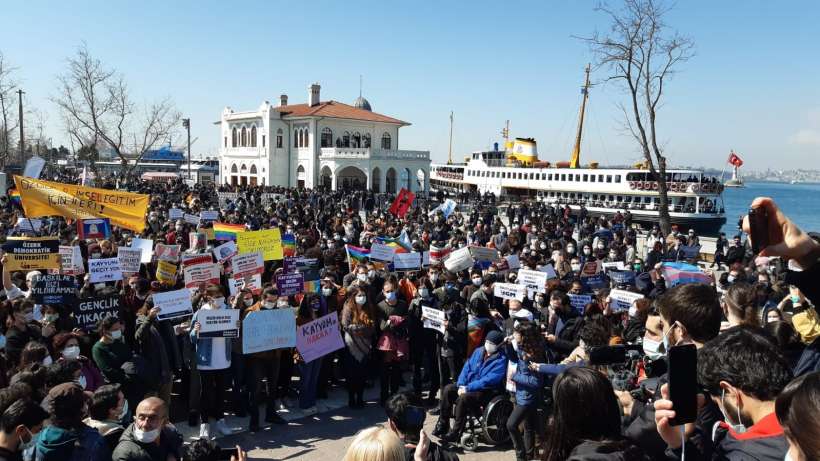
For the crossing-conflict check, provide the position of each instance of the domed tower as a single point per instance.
(362, 103)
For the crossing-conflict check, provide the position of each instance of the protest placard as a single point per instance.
(95, 228)
(459, 260)
(208, 215)
(509, 291)
(591, 268)
(173, 304)
(175, 213)
(55, 289)
(381, 252)
(622, 277)
(197, 274)
(690, 252)
(247, 264)
(407, 261)
(425, 259)
(533, 280)
(579, 302)
(614, 265)
(509, 262)
(268, 329)
(31, 253)
(197, 240)
(71, 260)
(168, 252)
(29, 225)
(268, 242)
(191, 219)
(146, 247)
(433, 318)
(129, 259)
(89, 311)
(166, 272)
(34, 166)
(250, 282)
(218, 323)
(548, 269)
(104, 270)
(198, 258)
(621, 300)
(290, 283)
(595, 282)
(319, 337)
(484, 254)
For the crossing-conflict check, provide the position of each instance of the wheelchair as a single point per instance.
(488, 423)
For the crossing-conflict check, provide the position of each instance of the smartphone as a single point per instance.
(759, 228)
(226, 453)
(683, 383)
(415, 417)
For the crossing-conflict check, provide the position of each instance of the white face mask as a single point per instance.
(477, 281)
(248, 302)
(269, 304)
(424, 292)
(282, 303)
(216, 303)
(490, 347)
(652, 349)
(71, 352)
(327, 291)
(47, 361)
(739, 427)
(361, 277)
(360, 300)
(633, 310)
(575, 267)
(145, 437)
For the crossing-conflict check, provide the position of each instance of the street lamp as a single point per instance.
(186, 123)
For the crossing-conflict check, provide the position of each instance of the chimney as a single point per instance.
(313, 97)
(283, 100)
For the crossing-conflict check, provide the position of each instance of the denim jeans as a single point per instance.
(308, 382)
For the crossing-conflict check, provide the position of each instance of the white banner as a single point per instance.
(433, 318)
(104, 270)
(510, 291)
(621, 300)
(379, 252)
(533, 280)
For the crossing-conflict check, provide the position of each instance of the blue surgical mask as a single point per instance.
(2, 341)
(390, 296)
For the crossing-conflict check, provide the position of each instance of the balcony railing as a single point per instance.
(373, 153)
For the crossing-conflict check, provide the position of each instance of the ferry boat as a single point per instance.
(515, 173)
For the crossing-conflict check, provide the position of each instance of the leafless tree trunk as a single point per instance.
(96, 106)
(8, 118)
(641, 53)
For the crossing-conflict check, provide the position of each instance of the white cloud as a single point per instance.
(806, 137)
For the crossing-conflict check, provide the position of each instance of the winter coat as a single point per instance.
(129, 449)
(621, 450)
(480, 374)
(58, 444)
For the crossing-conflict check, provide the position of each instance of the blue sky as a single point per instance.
(752, 86)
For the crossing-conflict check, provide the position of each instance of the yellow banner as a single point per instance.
(166, 272)
(269, 242)
(48, 198)
(30, 253)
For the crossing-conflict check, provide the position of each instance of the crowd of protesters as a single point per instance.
(68, 393)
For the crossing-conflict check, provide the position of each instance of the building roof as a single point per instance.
(335, 109)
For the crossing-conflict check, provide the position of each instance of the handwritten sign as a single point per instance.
(71, 261)
(168, 252)
(251, 282)
(534, 280)
(130, 259)
(247, 264)
(268, 329)
(290, 284)
(433, 318)
(218, 323)
(104, 270)
(319, 337)
(268, 242)
(197, 274)
(173, 304)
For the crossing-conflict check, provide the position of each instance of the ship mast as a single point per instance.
(450, 152)
(576, 151)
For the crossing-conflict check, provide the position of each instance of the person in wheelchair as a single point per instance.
(482, 376)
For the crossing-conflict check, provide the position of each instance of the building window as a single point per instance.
(295, 138)
(366, 140)
(226, 141)
(327, 137)
(244, 137)
(346, 139)
(356, 140)
(386, 141)
(263, 140)
(253, 136)
(233, 137)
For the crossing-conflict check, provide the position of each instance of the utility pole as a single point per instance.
(186, 123)
(20, 94)
(450, 153)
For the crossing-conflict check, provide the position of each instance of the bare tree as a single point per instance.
(8, 110)
(96, 107)
(642, 53)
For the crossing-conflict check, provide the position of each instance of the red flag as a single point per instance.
(402, 203)
(734, 159)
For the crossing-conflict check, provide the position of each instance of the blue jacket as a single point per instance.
(479, 374)
(528, 383)
(204, 346)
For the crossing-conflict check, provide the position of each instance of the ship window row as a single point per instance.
(608, 178)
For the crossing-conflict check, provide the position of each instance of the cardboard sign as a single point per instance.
(208, 215)
(590, 268)
(268, 329)
(104, 270)
(319, 337)
(251, 282)
(175, 213)
(268, 242)
(407, 261)
(225, 251)
(425, 259)
(31, 253)
(167, 272)
(549, 270)
(247, 264)
(509, 262)
(218, 323)
(55, 289)
(484, 254)
(197, 240)
(168, 252)
(290, 284)
(191, 219)
(459, 260)
(579, 302)
(97, 228)
(71, 261)
(621, 300)
(433, 318)
(173, 304)
(438, 254)
(595, 282)
(534, 280)
(88, 312)
(380, 252)
(510, 291)
(198, 274)
(146, 247)
(34, 166)
(130, 259)
(194, 259)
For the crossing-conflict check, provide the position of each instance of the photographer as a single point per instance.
(406, 419)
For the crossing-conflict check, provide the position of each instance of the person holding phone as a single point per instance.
(405, 417)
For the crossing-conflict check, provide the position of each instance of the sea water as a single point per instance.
(800, 202)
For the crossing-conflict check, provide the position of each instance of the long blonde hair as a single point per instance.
(375, 443)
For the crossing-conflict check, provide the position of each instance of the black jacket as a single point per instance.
(566, 339)
(129, 449)
(435, 453)
(621, 450)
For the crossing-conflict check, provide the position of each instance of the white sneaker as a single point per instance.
(205, 430)
(223, 428)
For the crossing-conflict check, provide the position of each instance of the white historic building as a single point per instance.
(321, 143)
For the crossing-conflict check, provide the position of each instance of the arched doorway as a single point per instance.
(351, 178)
(406, 178)
(300, 177)
(390, 180)
(234, 172)
(326, 177)
(376, 180)
(253, 173)
(243, 174)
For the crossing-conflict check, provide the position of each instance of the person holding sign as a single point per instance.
(213, 358)
(393, 342)
(153, 338)
(359, 328)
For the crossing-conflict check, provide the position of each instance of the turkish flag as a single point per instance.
(402, 203)
(734, 159)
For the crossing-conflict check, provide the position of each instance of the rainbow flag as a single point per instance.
(678, 273)
(395, 243)
(225, 231)
(312, 286)
(288, 244)
(356, 254)
(14, 195)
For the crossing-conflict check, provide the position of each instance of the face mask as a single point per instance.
(282, 303)
(637, 267)
(477, 281)
(95, 255)
(795, 299)
(391, 296)
(145, 437)
(269, 304)
(666, 344)
(613, 255)
(601, 246)
(490, 347)
(81, 381)
(47, 361)
(739, 427)
(360, 300)
(116, 335)
(575, 267)
(587, 251)
(71, 352)
(543, 246)
(248, 302)
(327, 291)
(652, 349)
(361, 277)
(424, 292)
(434, 277)
(371, 274)
(25, 446)
(730, 278)
(570, 249)
(51, 318)
(124, 412)
(217, 302)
